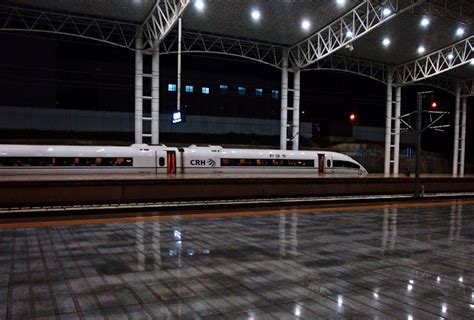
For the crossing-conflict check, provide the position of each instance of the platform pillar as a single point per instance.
(155, 96)
(139, 87)
(388, 125)
(456, 130)
(284, 101)
(463, 136)
(396, 151)
(295, 137)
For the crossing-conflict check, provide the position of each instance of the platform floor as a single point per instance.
(404, 261)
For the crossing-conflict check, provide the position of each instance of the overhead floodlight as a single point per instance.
(386, 42)
(450, 56)
(305, 24)
(349, 34)
(425, 22)
(386, 12)
(341, 2)
(199, 5)
(255, 14)
(421, 49)
(460, 31)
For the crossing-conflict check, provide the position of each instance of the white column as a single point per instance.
(155, 96)
(456, 130)
(463, 136)
(178, 83)
(398, 106)
(296, 110)
(388, 125)
(284, 101)
(139, 87)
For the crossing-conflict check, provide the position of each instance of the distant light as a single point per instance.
(438, 279)
(297, 310)
(409, 317)
(471, 306)
(425, 22)
(421, 49)
(386, 12)
(444, 308)
(376, 295)
(434, 105)
(411, 281)
(199, 5)
(255, 14)
(409, 287)
(341, 2)
(349, 34)
(460, 279)
(386, 42)
(339, 301)
(450, 56)
(305, 24)
(460, 31)
(302, 112)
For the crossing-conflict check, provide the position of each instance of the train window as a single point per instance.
(345, 164)
(328, 163)
(266, 163)
(64, 161)
(161, 161)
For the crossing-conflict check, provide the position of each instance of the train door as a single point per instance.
(171, 162)
(321, 162)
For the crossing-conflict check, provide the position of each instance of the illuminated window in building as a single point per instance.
(223, 88)
(205, 90)
(241, 90)
(275, 94)
(171, 87)
(189, 89)
(259, 92)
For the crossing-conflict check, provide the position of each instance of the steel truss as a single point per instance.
(440, 82)
(113, 32)
(195, 42)
(437, 62)
(373, 70)
(354, 24)
(161, 20)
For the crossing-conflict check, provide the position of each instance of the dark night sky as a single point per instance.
(37, 70)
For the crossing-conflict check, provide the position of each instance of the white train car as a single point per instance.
(142, 158)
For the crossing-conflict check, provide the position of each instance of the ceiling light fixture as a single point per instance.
(199, 5)
(305, 24)
(425, 22)
(460, 31)
(255, 14)
(421, 49)
(386, 12)
(386, 42)
(341, 2)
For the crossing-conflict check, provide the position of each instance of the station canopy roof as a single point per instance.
(402, 39)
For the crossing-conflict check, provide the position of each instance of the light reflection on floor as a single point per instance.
(388, 262)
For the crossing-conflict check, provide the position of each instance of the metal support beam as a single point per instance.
(284, 102)
(467, 89)
(365, 17)
(155, 97)
(396, 151)
(138, 88)
(113, 32)
(456, 130)
(161, 20)
(178, 82)
(388, 126)
(198, 42)
(463, 137)
(437, 62)
(296, 110)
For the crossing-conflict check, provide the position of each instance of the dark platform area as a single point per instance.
(120, 190)
(408, 261)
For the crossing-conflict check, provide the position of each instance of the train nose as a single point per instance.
(363, 171)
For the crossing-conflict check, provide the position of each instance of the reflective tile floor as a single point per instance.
(381, 262)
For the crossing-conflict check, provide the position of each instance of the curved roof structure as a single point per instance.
(374, 38)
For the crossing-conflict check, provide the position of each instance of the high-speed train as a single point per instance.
(160, 159)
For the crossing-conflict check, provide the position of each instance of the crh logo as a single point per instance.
(203, 163)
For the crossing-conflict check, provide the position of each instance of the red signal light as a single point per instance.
(434, 105)
(352, 118)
